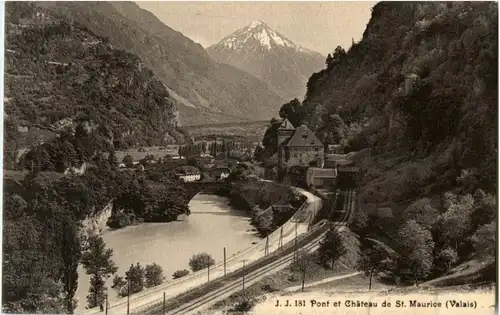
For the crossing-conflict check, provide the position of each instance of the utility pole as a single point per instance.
(224, 261)
(266, 250)
(295, 247)
(208, 269)
(164, 303)
(303, 274)
(280, 244)
(243, 275)
(106, 305)
(128, 295)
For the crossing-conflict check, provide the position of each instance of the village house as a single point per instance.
(188, 173)
(298, 147)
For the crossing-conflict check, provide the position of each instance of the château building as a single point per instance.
(298, 147)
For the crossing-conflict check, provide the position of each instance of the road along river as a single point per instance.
(212, 225)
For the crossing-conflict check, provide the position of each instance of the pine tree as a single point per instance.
(331, 248)
(135, 276)
(71, 256)
(97, 262)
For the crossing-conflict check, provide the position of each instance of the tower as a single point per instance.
(284, 133)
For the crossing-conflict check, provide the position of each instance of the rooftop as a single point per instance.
(187, 170)
(286, 125)
(304, 137)
(322, 172)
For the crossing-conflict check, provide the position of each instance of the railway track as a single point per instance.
(255, 269)
(236, 285)
(183, 304)
(218, 289)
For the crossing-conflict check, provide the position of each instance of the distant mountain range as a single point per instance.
(203, 90)
(271, 57)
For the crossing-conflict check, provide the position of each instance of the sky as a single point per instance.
(319, 26)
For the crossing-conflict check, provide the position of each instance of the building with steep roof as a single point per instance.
(321, 177)
(298, 147)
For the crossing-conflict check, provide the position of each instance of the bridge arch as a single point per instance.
(195, 187)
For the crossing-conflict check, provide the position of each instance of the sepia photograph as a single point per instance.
(250, 157)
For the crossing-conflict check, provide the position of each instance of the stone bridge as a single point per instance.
(193, 188)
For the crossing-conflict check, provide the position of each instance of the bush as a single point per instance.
(201, 261)
(154, 275)
(243, 306)
(180, 273)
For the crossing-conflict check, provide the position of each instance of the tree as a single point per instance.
(336, 128)
(293, 111)
(423, 213)
(119, 285)
(331, 248)
(329, 59)
(445, 259)
(135, 278)
(359, 221)
(338, 54)
(201, 261)
(485, 209)
(305, 265)
(371, 262)
(128, 161)
(154, 275)
(484, 240)
(97, 295)
(415, 248)
(71, 254)
(456, 221)
(97, 262)
(204, 147)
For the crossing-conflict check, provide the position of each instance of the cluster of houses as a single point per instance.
(296, 147)
(207, 168)
(198, 168)
(299, 147)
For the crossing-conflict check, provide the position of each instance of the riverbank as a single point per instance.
(143, 301)
(172, 244)
(269, 204)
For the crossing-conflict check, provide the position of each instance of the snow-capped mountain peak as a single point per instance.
(269, 56)
(257, 32)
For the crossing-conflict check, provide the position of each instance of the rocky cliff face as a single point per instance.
(420, 90)
(96, 223)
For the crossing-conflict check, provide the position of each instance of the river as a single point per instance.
(212, 225)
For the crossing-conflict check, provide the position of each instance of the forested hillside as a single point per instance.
(88, 99)
(418, 95)
(58, 74)
(420, 90)
(204, 90)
